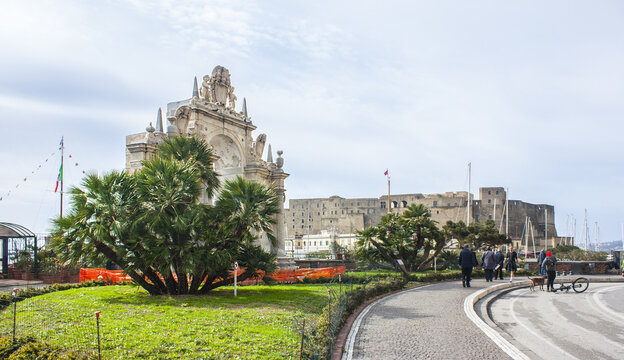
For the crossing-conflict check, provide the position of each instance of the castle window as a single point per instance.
(358, 204)
(489, 193)
(435, 204)
(489, 201)
(496, 192)
(342, 212)
(351, 211)
(326, 242)
(490, 217)
(437, 211)
(319, 213)
(302, 221)
(317, 205)
(449, 205)
(455, 204)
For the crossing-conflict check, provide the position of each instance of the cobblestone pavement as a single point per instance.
(424, 323)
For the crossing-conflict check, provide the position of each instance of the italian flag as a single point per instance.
(59, 178)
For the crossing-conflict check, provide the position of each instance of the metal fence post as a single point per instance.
(302, 335)
(14, 293)
(97, 321)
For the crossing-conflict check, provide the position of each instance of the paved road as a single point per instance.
(423, 323)
(589, 325)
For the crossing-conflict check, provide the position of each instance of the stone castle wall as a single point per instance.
(349, 215)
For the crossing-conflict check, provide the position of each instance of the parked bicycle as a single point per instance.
(579, 285)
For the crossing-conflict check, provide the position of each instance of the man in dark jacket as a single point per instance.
(488, 262)
(540, 260)
(500, 260)
(467, 260)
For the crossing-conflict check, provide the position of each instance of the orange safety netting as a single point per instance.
(280, 275)
(114, 276)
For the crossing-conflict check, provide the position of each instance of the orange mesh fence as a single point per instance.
(280, 275)
(114, 276)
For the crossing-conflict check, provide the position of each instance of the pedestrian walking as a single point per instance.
(467, 260)
(549, 265)
(540, 260)
(489, 262)
(500, 260)
(512, 262)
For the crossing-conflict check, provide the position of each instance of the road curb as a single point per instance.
(505, 345)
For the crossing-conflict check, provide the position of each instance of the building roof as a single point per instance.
(9, 230)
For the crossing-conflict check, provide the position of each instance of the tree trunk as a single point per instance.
(436, 251)
(112, 256)
(196, 282)
(390, 259)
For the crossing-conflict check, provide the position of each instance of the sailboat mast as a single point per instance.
(586, 232)
(468, 202)
(546, 228)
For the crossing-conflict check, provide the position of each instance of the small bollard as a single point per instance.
(97, 321)
(14, 294)
(340, 282)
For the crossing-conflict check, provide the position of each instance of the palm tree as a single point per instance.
(184, 148)
(98, 224)
(153, 225)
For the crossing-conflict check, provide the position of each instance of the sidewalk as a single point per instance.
(422, 323)
(9, 284)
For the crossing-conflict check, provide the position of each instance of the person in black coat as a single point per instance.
(512, 262)
(467, 260)
(500, 260)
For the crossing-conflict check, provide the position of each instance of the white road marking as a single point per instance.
(540, 337)
(605, 308)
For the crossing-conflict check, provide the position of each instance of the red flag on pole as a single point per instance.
(386, 173)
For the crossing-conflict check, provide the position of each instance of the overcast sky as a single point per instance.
(531, 92)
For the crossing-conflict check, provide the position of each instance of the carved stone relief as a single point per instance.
(227, 151)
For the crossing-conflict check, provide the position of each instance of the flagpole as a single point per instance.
(389, 203)
(62, 149)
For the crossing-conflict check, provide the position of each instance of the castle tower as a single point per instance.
(210, 114)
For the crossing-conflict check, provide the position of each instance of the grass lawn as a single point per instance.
(258, 324)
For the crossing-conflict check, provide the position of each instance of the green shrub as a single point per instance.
(8, 347)
(29, 348)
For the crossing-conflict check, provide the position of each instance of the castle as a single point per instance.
(345, 216)
(210, 114)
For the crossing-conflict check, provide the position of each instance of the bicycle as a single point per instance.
(579, 285)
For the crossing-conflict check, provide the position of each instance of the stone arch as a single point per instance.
(228, 150)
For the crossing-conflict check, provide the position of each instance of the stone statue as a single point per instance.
(258, 146)
(204, 91)
(232, 98)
